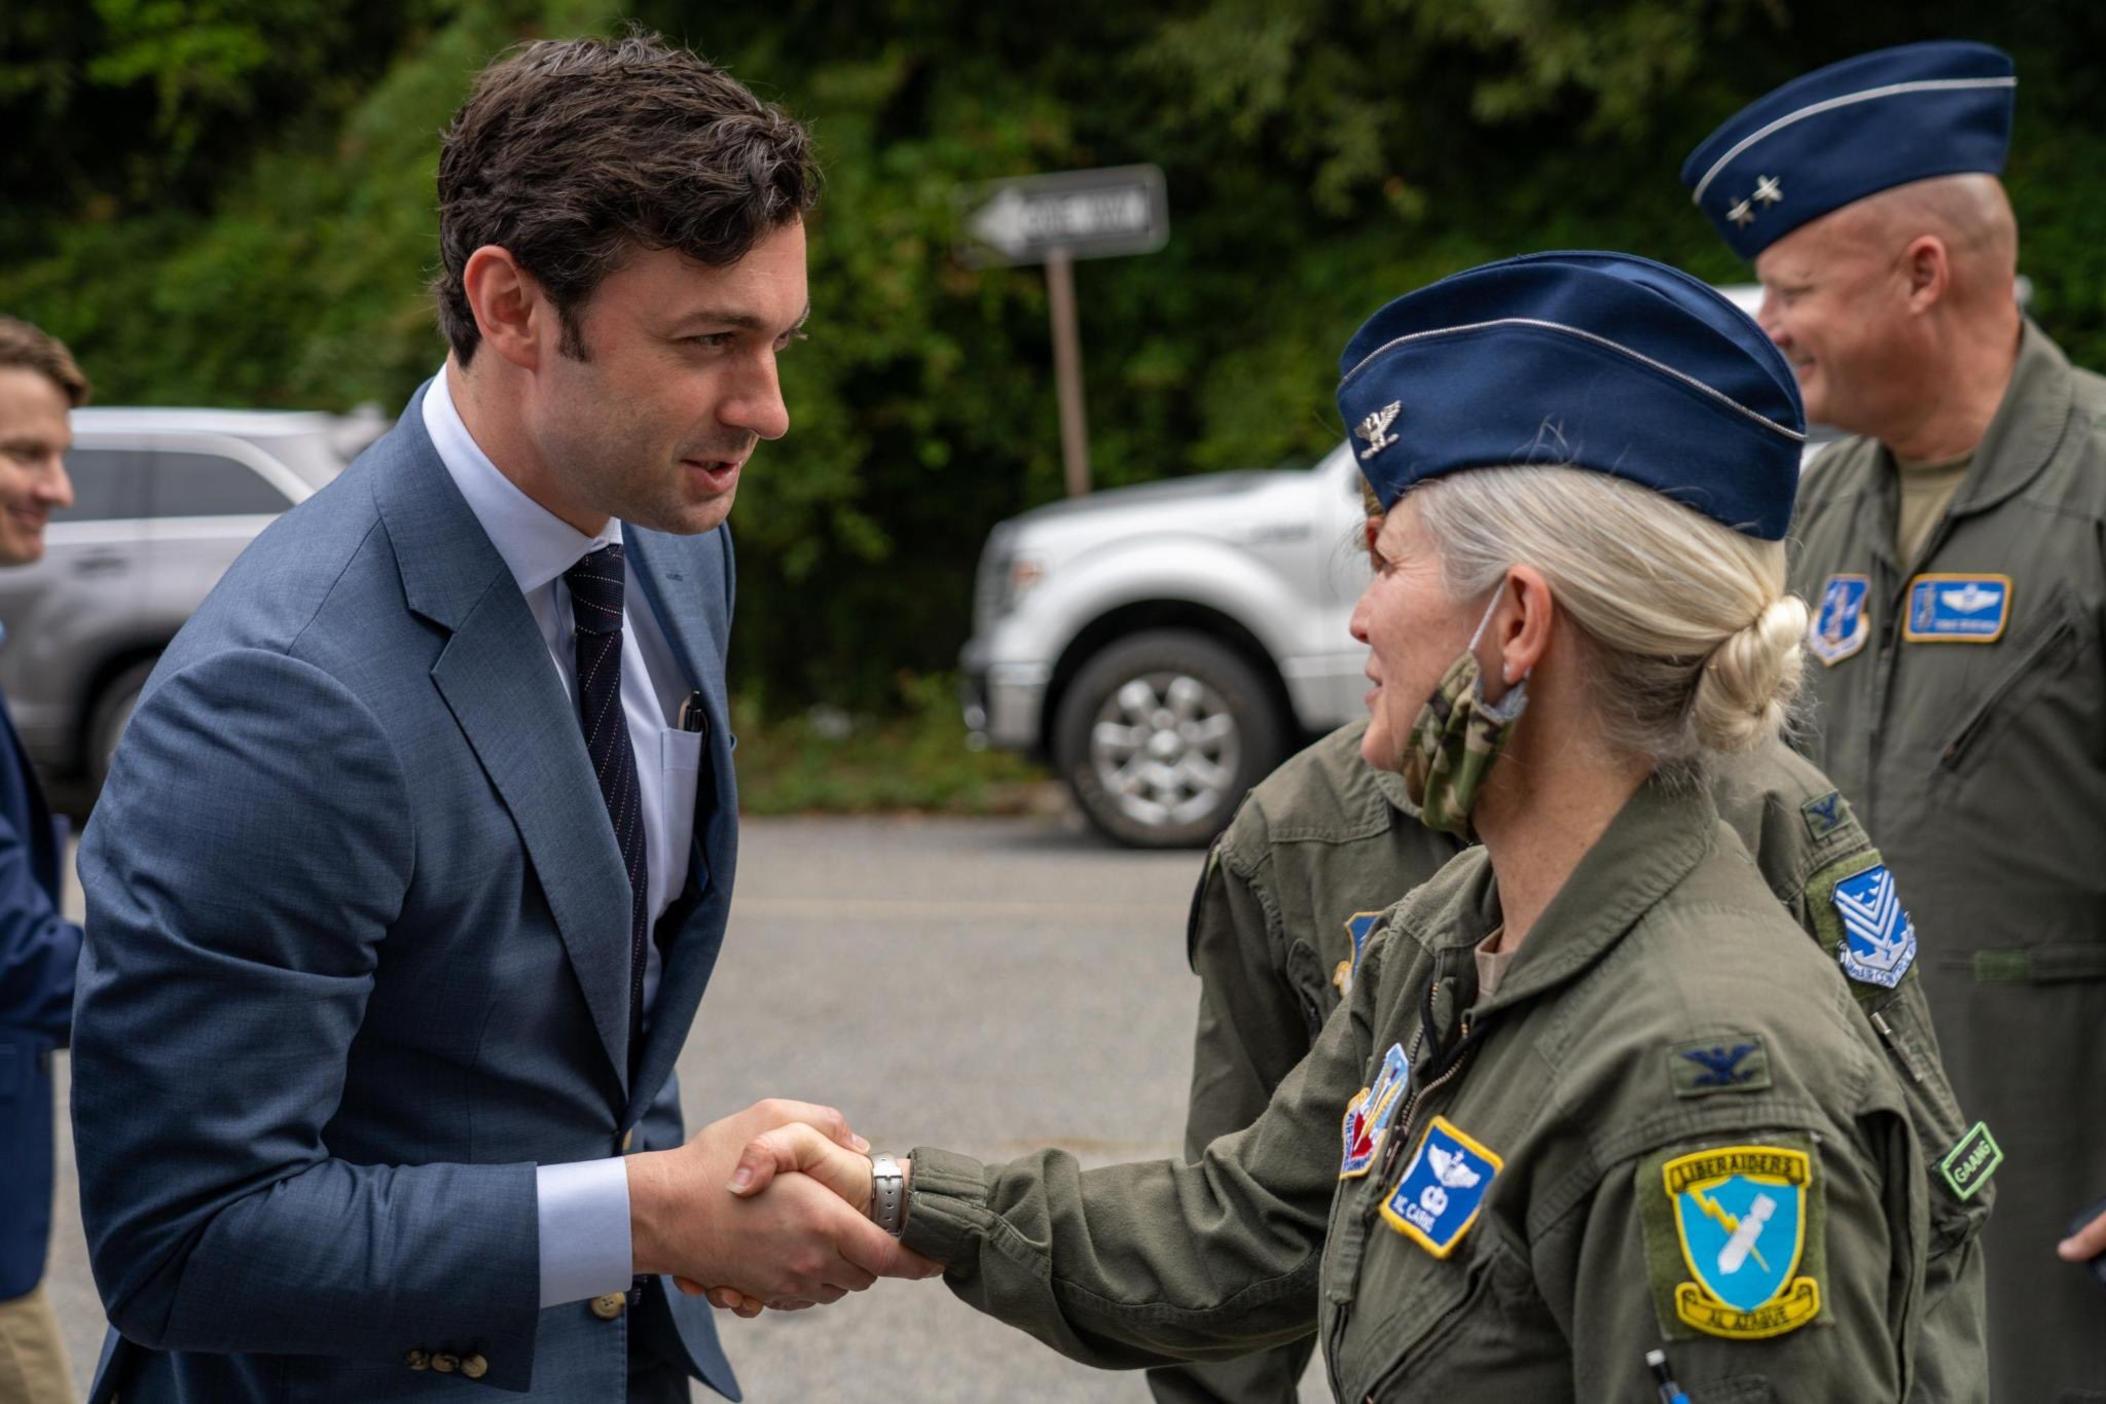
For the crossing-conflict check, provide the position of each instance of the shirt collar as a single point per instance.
(536, 544)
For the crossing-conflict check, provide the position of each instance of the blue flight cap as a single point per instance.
(1850, 130)
(1597, 360)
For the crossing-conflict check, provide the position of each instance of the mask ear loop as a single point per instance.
(1508, 707)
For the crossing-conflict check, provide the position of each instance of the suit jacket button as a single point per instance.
(417, 1360)
(474, 1366)
(445, 1364)
(610, 1306)
(628, 1139)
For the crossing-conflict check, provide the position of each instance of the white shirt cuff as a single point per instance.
(583, 1211)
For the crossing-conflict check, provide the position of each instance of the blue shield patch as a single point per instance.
(1840, 626)
(1442, 1190)
(1740, 1214)
(1957, 608)
(1879, 940)
(1358, 926)
(1369, 1113)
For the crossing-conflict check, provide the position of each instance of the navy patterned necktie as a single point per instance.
(596, 607)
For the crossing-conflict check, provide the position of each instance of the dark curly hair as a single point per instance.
(572, 154)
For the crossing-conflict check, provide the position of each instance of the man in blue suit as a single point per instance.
(416, 856)
(39, 386)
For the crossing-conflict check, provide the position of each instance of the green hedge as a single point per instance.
(230, 202)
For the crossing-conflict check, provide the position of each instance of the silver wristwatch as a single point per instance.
(888, 1194)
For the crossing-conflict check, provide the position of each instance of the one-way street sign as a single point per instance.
(1084, 214)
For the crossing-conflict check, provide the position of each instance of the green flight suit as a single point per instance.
(1291, 891)
(1327, 841)
(1664, 1019)
(1970, 735)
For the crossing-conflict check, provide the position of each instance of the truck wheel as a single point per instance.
(1160, 735)
(113, 708)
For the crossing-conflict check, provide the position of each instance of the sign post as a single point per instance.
(1055, 220)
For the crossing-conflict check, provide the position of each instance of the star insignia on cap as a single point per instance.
(1375, 428)
(1768, 190)
(1742, 214)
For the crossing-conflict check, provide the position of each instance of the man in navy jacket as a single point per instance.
(39, 385)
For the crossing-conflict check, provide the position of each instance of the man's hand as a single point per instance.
(793, 1151)
(2080, 1247)
(798, 1246)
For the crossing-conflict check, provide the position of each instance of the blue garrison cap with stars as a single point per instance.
(1596, 360)
(1850, 130)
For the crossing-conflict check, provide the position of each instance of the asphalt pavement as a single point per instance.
(990, 986)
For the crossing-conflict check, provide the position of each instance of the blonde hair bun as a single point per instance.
(1743, 697)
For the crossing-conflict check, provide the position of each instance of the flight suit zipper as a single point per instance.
(1446, 1068)
(1957, 747)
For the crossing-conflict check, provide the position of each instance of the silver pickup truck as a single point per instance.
(1163, 647)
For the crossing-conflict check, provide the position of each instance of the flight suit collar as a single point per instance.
(1391, 785)
(2029, 426)
(1662, 832)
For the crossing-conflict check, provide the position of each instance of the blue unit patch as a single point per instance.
(1840, 626)
(1359, 926)
(1957, 608)
(1740, 1216)
(1443, 1189)
(1879, 940)
(1368, 1114)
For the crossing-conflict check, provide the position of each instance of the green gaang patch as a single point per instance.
(1970, 1163)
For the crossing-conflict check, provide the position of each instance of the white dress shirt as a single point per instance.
(583, 1207)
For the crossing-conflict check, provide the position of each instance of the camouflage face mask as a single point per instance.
(1456, 738)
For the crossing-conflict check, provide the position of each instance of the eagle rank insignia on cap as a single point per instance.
(1375, 428)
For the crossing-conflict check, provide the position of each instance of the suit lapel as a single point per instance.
(497, 679)
(683, 579)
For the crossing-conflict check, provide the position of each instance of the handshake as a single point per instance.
(767, 1208)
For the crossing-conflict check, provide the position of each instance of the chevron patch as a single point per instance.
(1879, 940)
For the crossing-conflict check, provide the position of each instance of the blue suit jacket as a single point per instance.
(357, 960)
(37, 954)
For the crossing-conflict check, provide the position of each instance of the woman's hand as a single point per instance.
(796, 1148)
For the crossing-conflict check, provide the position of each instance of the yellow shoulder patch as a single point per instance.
(1734, 1239)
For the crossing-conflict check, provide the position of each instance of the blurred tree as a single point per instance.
(230, 201)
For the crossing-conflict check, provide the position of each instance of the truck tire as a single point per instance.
(1160, 735)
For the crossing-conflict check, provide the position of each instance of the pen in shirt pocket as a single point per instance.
(693, 717)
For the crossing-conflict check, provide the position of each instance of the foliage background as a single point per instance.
(230, 202)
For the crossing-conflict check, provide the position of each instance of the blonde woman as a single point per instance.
(1597, 1115)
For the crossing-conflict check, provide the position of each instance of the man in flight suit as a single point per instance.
(1952, 553)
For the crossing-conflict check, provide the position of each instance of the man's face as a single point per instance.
(1835, 299)
(679, 384)
(34, 437)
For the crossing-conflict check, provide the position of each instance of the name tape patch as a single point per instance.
(1443, 1188)
(1740, 1215)
(1957, 609)
(1970, 1163)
